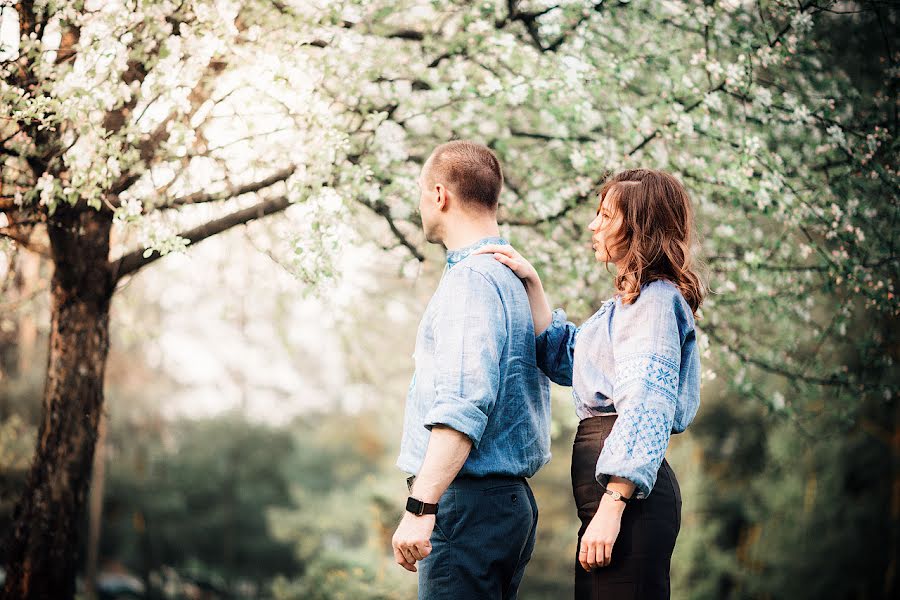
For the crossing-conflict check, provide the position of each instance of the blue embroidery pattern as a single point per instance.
(655, 372)
(457, 256)
(641, 434)
(603, 308)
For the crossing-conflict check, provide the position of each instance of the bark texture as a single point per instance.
(40, 561)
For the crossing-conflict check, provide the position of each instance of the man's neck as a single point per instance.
(469, 232)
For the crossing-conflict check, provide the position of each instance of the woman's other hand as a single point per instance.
(601, 534)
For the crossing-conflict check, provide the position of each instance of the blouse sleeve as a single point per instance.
(555, 349)
(646, 345)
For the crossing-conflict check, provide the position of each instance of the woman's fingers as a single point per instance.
(582, 556)
(504, 253)
(591, 556)
(515, 266)
(510, 257)
(495, 249)
(509, 262)
(594, 554)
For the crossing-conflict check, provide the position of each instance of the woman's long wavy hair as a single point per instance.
(657, 234)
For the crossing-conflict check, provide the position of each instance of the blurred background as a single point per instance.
(255, 382)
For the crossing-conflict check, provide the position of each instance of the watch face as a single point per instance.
(414, 506)
(616, 495)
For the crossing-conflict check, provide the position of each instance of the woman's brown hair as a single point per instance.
(657, 234)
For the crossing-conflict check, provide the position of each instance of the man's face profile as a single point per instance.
(428, 209)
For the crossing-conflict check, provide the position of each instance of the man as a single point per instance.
(477, 416)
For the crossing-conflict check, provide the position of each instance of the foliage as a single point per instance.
(786, 139)
(194, 496)
(781, 117)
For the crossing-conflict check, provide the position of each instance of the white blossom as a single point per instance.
(46, 186)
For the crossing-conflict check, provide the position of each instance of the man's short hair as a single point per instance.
(471, 171)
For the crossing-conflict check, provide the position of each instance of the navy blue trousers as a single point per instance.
(483, 539)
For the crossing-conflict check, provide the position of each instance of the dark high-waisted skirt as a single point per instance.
(639, 568)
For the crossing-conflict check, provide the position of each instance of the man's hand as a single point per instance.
(446, 453)
(412, 540)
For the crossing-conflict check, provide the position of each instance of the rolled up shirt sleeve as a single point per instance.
(555, 349)
(647, 351)
(469, 336)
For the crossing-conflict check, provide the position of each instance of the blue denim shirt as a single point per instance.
(476, 371)
(639, 361)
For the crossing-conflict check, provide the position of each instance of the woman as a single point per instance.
(634, 368)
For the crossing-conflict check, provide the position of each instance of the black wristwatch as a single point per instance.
(419, 508)
(616, 495)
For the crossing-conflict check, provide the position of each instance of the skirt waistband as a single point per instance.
(596, 426)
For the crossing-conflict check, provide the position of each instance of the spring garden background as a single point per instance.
(211, 271)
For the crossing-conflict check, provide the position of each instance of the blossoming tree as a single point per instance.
(135, 128)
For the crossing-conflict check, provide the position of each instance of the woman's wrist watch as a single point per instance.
(616, 495)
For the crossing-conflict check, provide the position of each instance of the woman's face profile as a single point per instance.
(605, 231)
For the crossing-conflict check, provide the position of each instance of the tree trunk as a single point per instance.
(41, 557)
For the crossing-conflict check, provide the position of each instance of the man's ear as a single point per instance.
(441, 199)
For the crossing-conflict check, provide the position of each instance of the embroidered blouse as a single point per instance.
(638, 361)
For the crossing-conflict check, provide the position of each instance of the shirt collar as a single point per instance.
(455, 256)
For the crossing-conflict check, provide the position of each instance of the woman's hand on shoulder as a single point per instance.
(510, 257)
(541, 314)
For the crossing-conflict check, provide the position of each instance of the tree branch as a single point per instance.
(27, 239)
(232, 192)
(583, 198)
(134, 261)
(383, 210)
(547, 137)
(529, 19)
(407, 34)
(834, 380)
(150, 145)
(652, 135)
(580, 200)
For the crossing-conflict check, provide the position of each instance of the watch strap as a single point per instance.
(419, 508)
(616, 495)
